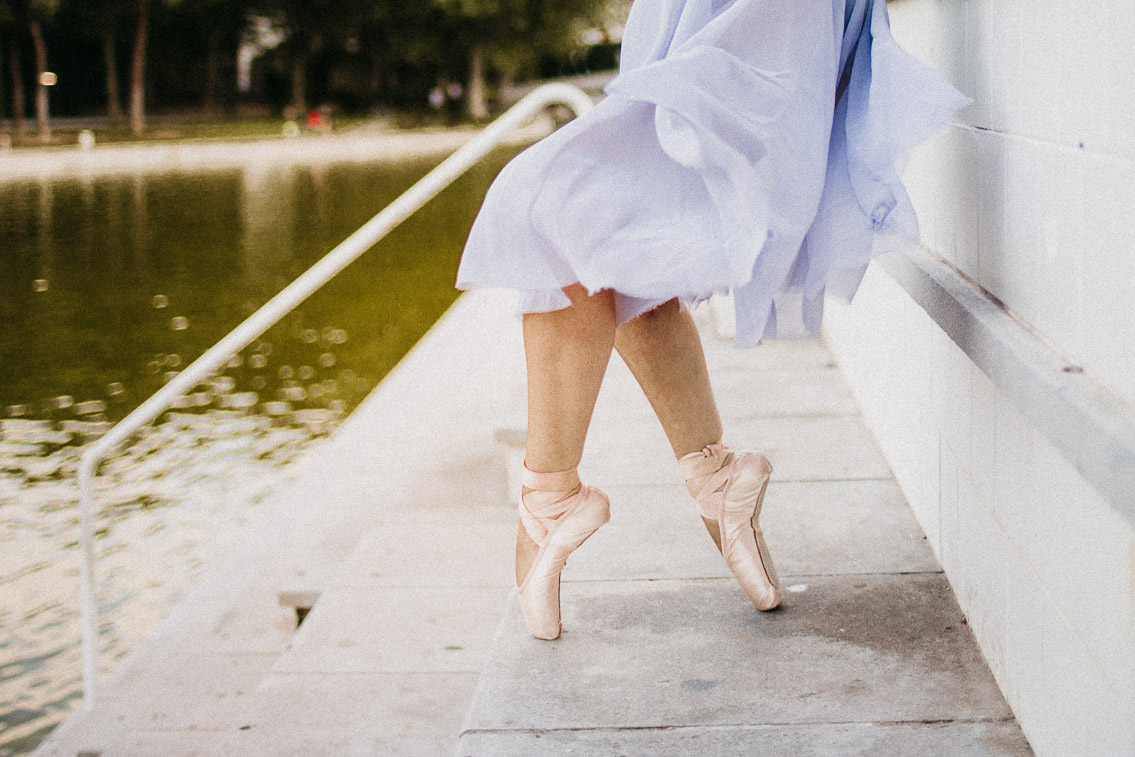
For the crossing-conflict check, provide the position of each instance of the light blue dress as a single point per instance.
(746, 146)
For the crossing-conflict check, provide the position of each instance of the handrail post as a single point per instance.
(271, 312)
(88, 599)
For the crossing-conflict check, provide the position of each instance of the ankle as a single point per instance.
(549, 481)
(526, 490)
(702, 463)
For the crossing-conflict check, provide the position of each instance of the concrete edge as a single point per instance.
(244, 555)
(1092, 429)
(479, 691)
(225, 154)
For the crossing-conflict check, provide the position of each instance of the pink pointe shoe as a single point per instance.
(729, 488)
(558, 515)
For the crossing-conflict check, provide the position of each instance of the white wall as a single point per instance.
(1042, 565)
(1034, 194)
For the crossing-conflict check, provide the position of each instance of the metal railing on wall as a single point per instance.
(1091, 427)
(268, 315)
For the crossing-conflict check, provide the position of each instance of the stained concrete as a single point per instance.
(651, 654)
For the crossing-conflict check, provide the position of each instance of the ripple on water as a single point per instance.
(160, 502)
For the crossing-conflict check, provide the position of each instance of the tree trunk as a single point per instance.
(2, 59)
(138, 71)
(299, 81)
(476, 94)
(110, 62)
(18, 124)
(41, 115)
(212, 77)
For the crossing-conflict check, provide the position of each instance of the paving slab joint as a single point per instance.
(301, 600)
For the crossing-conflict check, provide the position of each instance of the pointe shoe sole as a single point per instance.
(541, 614)
(764, 594)
(540, 628)
(766, 558)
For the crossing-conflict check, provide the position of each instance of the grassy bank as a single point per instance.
(194, 128)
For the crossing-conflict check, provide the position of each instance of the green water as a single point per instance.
(107, 286)
(85, 261)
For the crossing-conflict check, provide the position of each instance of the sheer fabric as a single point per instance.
(747, 146)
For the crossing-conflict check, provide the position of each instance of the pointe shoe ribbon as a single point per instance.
(729, 489)
(549, 499)
(558, 514)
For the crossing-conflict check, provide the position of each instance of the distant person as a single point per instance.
(746, 146)
(451, 94)
(437, 98)
(319, 120)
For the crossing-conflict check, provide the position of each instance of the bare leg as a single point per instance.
(567, 352)
(663, 351)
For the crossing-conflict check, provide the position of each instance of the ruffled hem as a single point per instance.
(627, 308)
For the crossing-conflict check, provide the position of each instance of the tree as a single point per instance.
(406, 46)
(10, 59)
(142, 11)
(40, 12)
(138, 70)
(19, 125)
(509, 33)
(41, 112)
(100, 21)
(110, 66)
(311, 24)
(3, 60)
(221, 25)
(211, 29)
(30, 15)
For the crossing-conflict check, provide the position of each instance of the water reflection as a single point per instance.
(111, 285)
(267, 210)
(44, 250)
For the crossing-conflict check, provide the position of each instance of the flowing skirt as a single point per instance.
(746, 145)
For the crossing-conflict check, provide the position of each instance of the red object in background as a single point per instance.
(314, 120)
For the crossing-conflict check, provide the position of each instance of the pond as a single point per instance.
(109, 285)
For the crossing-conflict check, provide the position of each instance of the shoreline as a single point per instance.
(358, 146)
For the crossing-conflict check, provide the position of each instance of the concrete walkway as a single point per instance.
(401, 525)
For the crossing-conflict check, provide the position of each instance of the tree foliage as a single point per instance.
(357, 53)
(102, 22)
(509, 35)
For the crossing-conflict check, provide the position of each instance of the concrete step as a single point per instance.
(388, 658)
(398, 528)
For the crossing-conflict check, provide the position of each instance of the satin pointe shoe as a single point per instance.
(558, 515)
(729, 489)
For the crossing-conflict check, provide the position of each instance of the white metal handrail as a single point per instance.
(272, 311)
